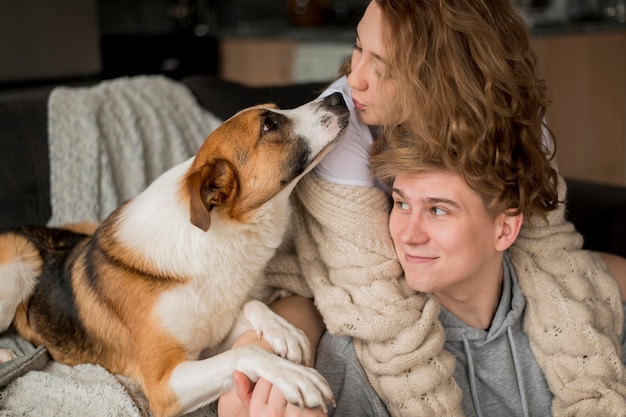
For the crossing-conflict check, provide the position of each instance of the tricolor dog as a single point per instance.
(164, 285)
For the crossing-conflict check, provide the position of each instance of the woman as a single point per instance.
(435, 70)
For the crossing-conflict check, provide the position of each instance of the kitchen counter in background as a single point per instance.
(577, 26)
(345, 34)
(301, 54)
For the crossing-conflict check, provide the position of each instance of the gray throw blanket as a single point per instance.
(107, 143)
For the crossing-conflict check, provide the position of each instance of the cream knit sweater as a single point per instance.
(573, 315)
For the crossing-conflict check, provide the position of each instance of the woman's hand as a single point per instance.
(259, 400)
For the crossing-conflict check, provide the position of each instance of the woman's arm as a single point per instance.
(302, 313)
(617, 267)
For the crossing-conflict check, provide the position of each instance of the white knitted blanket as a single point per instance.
(573, 316)
(108, 142)
(33, 385)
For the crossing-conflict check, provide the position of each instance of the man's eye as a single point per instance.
(438, 211)
(402, 205)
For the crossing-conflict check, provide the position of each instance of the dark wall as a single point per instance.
(51, 41)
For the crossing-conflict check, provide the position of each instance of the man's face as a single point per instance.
(446, 241)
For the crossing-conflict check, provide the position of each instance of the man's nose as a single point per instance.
(414, 233)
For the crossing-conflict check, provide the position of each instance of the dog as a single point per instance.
(165, 284)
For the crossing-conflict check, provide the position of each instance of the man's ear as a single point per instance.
(510, 224)
(212, 184)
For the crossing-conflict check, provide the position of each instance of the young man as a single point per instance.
(457, 211)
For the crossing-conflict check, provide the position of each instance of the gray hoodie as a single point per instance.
(496, 369)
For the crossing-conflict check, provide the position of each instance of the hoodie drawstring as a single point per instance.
(518, 375)
(472, 377)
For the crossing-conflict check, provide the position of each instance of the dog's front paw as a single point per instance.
(301, 385)
(285, 339)
(6, 355)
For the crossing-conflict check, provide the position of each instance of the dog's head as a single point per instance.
(259, 152)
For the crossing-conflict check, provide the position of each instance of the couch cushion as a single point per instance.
(24, 166)
(225, 98)
(599, 213)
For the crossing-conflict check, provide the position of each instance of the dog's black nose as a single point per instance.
(335, 99)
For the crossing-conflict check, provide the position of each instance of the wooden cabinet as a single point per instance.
(281, 61)
(586, 78)
(256, 61)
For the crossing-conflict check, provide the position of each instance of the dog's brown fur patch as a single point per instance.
(13, 247)
(245, 141)
(87, 228)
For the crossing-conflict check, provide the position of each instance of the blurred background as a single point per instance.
(43, 40)
(580, 44)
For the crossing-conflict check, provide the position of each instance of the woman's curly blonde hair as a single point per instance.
(468, 98)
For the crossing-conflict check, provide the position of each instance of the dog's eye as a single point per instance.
(268, 125)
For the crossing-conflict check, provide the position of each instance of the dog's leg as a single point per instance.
(197, 383)
(20, 266)
(285, 339)
(6, 355)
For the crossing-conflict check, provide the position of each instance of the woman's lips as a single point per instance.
(358, 105)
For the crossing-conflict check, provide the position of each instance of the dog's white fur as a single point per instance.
(186, 285)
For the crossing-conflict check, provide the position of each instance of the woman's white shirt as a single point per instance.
(348, 163)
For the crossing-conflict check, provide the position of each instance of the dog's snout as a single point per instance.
(335, 99)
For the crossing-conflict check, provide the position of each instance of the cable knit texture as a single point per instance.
(573, 315)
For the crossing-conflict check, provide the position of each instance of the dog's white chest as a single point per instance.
(201, 316)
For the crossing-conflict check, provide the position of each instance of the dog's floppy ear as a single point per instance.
(210, 185)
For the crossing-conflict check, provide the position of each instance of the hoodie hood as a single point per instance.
(509, 311)
(495, 368)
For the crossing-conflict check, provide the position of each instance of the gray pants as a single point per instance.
(336, 360)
